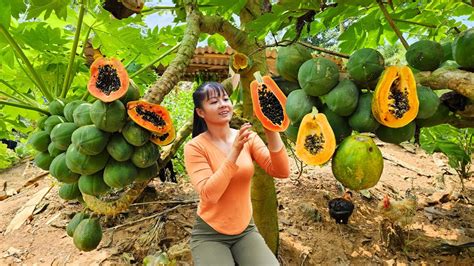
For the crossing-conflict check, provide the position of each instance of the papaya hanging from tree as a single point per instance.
(463, 46)
(109, 79)
(316, 141)
(365, 65)
(289, 60)
(269, 103)
(240, 62)
(151, 116)
(395, 101)
(357, 163)
(425, 55)
(163, 139)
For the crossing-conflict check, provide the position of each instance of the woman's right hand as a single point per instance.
(241, 138)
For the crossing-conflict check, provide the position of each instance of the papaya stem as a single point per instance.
(415, 23)
(133, 60)
(70, 65)
(29, 100)
(172, 49)
(258, 77)
(86, 94)
(8, 95)
(88, 33)
(23, 106)
(27, 73)
(392, 24)
(320, 49)
(38, 80)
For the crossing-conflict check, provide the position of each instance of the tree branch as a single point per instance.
(457, 80)
(177, 67)
(214, 24)
(392, 24)
(320, 49)
(461, 122)
(415, 23)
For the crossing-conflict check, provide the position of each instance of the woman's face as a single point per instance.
(216, 109)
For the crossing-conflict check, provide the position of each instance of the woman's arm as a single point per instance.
(273, 159)
(274, 140)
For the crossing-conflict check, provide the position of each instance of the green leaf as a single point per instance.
(38, 7)
(5, 13)
(42, 37)
(217, 42)
(7, 157)
(17, 7)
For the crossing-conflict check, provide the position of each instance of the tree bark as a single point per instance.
(264, 200)
(457, 80)
(157, 92)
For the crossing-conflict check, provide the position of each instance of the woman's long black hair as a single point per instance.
(202, 93)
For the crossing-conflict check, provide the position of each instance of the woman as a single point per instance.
(219, 161)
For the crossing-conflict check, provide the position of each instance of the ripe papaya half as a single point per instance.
(395, 101)
(164, 139)
(240, 62)
(316, 141)
(109, 79)
(269, 103)
(153, 117)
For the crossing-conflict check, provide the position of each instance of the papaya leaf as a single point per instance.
(38, 7)
(269, 22)
(225, 8)
(217, 42)
(43, 37)
(5, 13)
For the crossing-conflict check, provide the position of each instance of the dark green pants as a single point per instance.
(209, 247)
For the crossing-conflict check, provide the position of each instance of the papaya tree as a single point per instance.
(46, 49)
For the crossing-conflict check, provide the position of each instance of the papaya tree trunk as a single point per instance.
(457, 80)
(263, 192)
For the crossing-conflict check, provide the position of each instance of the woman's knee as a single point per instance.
(252, 250)
(212, 253)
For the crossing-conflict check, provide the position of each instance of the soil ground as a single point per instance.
(308, 236)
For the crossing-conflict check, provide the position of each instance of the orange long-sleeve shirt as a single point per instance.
(224, 186)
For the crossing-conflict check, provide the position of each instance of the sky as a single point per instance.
(160, 20)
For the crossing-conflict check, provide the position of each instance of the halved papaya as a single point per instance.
(269, 103)
(316, 141)
(240, 62)
(395, 101)
(164, 139)
(109, 79)
(153, 117)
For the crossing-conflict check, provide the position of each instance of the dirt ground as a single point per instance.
(308, 236)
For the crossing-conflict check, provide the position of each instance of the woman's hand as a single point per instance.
(241, 138)
(274, 140)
